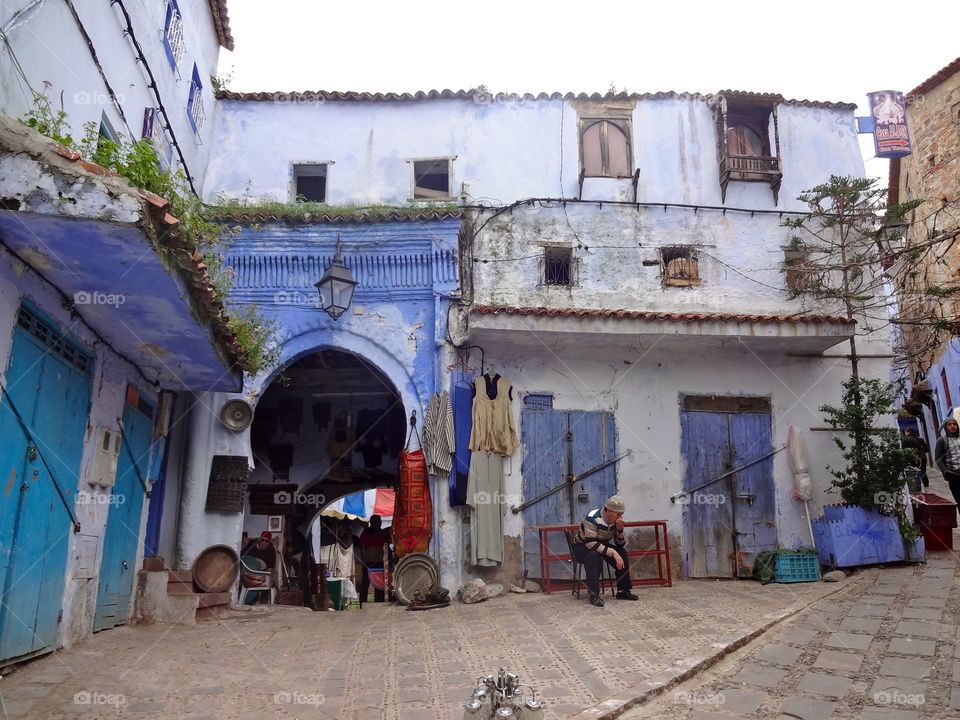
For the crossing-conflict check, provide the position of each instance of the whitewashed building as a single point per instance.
(620, 264)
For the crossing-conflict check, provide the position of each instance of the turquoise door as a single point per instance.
(121, 540)
(48, 383)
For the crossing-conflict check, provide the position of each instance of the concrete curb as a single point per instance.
(684, 669)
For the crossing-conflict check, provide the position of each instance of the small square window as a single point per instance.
(680, 267)
(558, 266)
(431, 179)
(310, 183)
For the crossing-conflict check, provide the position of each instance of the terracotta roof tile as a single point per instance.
(360, 217)
(658, 315)
(204, 299)
(221, 23)
(482, 97)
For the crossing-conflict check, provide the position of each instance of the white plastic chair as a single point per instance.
(267, 586)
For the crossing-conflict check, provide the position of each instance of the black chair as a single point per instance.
(606, 572)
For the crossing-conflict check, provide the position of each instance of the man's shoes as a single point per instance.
(626, 595)
(596, 600)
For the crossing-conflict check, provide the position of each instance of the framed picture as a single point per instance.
(275, 523)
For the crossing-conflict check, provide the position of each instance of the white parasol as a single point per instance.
(802, 484)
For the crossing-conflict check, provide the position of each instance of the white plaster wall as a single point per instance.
(643, 391)
(507, 150)
(50, 47)
(108, 389)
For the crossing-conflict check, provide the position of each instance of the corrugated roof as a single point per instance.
(658, 315)
(255, 217)
(938, 77)
(483, 97)
(221, 23)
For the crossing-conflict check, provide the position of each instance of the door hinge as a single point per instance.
(60, 615)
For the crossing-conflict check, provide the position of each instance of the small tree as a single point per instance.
(850, 251)
(873, 476)
(840, 255)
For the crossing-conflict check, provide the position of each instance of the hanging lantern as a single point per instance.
(336, 287)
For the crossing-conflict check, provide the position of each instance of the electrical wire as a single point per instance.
(156, 92)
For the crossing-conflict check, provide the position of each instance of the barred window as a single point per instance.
(173, 41)
(558, 266)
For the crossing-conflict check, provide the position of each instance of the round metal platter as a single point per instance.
(412, 572)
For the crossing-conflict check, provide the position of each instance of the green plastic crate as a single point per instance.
(796, 567)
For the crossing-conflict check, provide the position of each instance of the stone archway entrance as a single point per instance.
(330, 424)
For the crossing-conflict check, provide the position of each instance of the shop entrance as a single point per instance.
(331, 424)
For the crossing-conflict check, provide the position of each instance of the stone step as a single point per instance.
(181, 576)
(180, 589)
(214, 599)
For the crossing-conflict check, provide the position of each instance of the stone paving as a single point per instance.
(886, 647)
(386, 662)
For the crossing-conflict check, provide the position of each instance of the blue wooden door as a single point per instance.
(48, 383)
(557, 443)
(726, 522)
(120, 542)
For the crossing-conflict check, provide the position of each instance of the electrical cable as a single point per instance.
(156, 92)
(96, 61)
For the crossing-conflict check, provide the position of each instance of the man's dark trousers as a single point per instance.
(591, 560)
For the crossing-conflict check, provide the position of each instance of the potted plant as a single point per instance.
(872, 525)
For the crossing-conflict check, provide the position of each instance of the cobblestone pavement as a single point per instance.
(884, 648)
(385, 662)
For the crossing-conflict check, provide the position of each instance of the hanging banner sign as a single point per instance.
(891, 139)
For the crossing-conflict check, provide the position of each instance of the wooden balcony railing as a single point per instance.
(752, 164)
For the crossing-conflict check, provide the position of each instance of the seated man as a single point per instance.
(260, 554)
(600, 539)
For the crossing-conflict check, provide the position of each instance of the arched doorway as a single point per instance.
(329, 424)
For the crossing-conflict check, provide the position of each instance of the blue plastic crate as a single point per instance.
(796, 567)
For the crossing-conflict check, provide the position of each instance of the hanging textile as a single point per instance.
(493, 428)
(438, 439)
(413, 513)
(462, 401)
(484, 496)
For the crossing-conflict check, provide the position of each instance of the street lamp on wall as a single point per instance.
(336, 287)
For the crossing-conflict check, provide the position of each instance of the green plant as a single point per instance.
(873, 474)
(47, 121)
(256, 337)
(138, 162)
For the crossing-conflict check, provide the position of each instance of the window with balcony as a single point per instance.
(743, 135)
(605, 148)
(195, 110)
(173, 41)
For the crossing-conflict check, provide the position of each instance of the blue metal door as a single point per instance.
(120, 542)
(48, 383)
(726, 521)
(556, 444)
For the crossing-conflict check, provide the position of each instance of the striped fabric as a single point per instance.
(598, 536)
(438, 440)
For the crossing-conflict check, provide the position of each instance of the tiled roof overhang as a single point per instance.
(86, 229)
(931, 82)
(221, 23)
(659, 315)
(482, 97)
(358, 218)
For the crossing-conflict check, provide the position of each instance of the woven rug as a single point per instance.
(413, 512)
